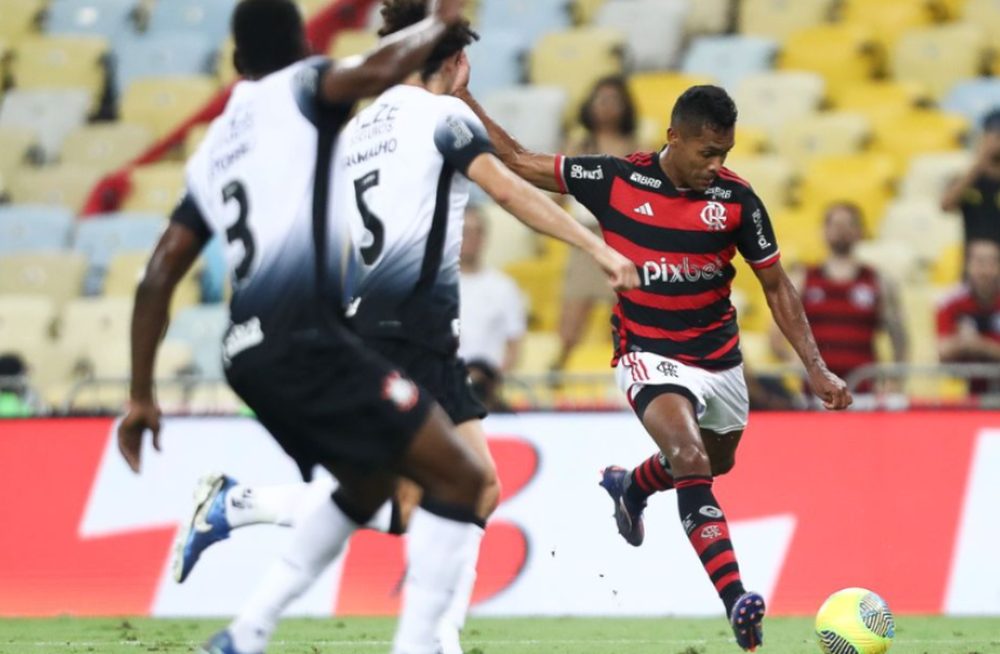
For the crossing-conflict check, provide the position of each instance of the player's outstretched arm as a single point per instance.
(540, 213)
(537, 169)
(173, 257)
(396, 57)
(790, 316)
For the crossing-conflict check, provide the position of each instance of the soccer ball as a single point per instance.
(855, 621)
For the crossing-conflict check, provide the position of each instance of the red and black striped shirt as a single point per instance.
(682, 242)
(844, 317)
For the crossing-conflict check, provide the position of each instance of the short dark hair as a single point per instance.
(269, 36)
(704, 106)
(400, 14)
(628, 123)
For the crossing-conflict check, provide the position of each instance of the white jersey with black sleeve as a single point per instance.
(400, 168)
(251, 181)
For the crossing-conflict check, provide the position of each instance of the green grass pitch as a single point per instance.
(916, 635)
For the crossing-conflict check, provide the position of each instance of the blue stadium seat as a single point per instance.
(654, 29)
(26, 228)
(202, 328)
(112, 19)
(101, 237)
(973, 99)
(729, 58)
(529, 19)
(162, 55)
(207, 17)
(496, 61)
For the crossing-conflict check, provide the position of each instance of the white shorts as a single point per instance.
(721, 398)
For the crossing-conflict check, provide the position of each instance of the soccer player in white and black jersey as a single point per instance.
(681, 217)
(261, 180)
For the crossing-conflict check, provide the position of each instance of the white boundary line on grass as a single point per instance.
(476, 642)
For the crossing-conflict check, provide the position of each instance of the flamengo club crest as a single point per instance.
(714, 215)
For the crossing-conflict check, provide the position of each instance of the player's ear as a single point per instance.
(673, 136)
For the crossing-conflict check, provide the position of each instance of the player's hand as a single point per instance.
(622, 274)
(448, 12)
(462, 75)
(830, 389)
(142, 415)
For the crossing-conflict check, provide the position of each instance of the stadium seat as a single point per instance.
(985, 15)
(99, 238)
(947, 270)
(771, 100)
(864, 179)
(584, 11)
(770, 175)
(105, 146)
(112, 359)
(750, 141)
(590, 357)
(210, 18)
(538, 352)
(89, 321)
(194, 138)
(541, 282)
(57, 276)
(575, 59)
(780, 18)
(973, 99)
(918, 132)
(881, 100)
(842, 54)
(28, 229)
(17, 148)
(654, 29)
(19, 18)
(929, 175)
(62, 62)
(800, 237)
(531, 19)
(25, 321)
(922, 226)
(225, 69)
(708, 17)
(162, 55)
(533, 113)
(497, 62)
(507, 238)
(112, 19)
(940, 57)
(156, 188)
(826, 133)
(162, 104)
(202, 328)
(126, 271)
(61, 185)
(656, 93)
(891, 18)
(50, 115)
(729, 58)
(348, 43)
(895, 260)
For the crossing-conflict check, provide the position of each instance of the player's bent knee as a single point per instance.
(690, 460)
(723, 466)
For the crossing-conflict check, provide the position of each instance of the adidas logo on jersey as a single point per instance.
(645, 210)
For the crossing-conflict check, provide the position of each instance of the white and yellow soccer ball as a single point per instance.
(855, 621)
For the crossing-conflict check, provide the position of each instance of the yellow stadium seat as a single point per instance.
(126, 271)
(64, 185)
(111, 359)
(584, 11)
(780, 18)
(19, 18)
(656, 93)
(842, 54)
(949, 9)
(225, 69)
(107, 146)
(590, 357)
(929, 175)
(352, 42)
(62, 62)
(922, 226)
(800, 235)
(770, 175)
(918, 132)
(895, 260)
(156, 188)
(947, 270)
(57, 276)
(864, 179)
(89, 321)
(16, 147)
(750, 141)
(984, 14)
(708, 17)
(25, 321)
(574, 59)
(771, 100)
(889, 18)
(161, 104)
(881, 100)
(939, 57)
(538, 352)
(822, 134)
(541, 281)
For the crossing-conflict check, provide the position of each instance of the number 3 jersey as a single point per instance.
(397, 183)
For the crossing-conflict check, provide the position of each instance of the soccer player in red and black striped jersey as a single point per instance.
(682, 217)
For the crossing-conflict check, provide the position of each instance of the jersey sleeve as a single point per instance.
(755, 239)
(307, 89)
(188, 214)
(588, 179)
(460, 137)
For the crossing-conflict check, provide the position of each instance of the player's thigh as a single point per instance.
(443, 464)
(365, 492)
(472, 432)
(670, 419)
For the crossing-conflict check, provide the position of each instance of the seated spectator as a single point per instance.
(609, 121)
(846, 301)
(16, 400)
(968, 321)
(977, 193)
(493, 317)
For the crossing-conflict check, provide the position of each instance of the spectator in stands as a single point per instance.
(977, 193)
(492, 315)
(16, 400)
(846, 301)
(608, 118)
(968, 321)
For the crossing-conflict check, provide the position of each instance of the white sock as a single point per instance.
(453, 621)
(317, 541)
(436, 550)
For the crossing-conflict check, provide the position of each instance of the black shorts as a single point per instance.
(445, 377)
(330, 402)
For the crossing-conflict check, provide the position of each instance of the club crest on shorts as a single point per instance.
(400, 391)
(668, 369)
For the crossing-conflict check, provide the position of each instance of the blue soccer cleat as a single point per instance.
(208, 524)
(221, 643)
(748, 613)
(627, 515)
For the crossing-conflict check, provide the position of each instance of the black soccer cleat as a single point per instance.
(628, 516)
(746, 618)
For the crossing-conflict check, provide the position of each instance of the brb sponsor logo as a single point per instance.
(685, 271)
(646, 181)
(577, 171)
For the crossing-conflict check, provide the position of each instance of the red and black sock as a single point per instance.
(708, 532)
(651, 476)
